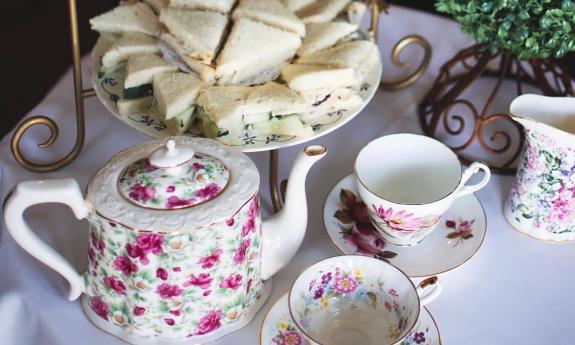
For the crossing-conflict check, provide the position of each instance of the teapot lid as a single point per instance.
(173, 177)
(173, 184)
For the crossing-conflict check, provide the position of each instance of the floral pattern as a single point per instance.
(459, 230)
(176, 285)
(288, 334)
(543, 193)
(402, 221)
(356, 228)
(418, 336)
(349, 288)
(199, 180)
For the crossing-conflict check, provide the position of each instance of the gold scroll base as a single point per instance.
(376, 7)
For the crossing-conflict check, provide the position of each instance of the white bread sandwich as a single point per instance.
(324, 35)
(199, 31)
(179, 124)
(272, 109)
(330, 104)
(253, 48)
(360, 55)
(354, 12)
(140, 72)
(174, 50)
(322, 11)
(157, 5)
(131, 43)
(223, 6)
(272, 99)
(175, 93)
(289, 125)
(220, 111)
(129, 106)
(137, 17)
(141, 69)
(295, 5)
(270, 12)
(311, 78)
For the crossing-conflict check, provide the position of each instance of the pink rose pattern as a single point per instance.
(139, 274)
(210, 322)
(543, 193)
(148, 186)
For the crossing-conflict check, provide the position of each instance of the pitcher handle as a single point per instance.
(428, 290)
(473, 169)
(29, 193)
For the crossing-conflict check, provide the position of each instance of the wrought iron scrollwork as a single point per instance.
(494, 133)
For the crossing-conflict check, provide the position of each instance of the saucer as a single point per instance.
(458, 237)
(279, 329)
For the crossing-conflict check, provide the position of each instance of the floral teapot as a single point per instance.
(178, 252)
(542, 199)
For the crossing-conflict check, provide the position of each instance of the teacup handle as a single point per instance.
(428, 290)
(473, 169)
(29, 193)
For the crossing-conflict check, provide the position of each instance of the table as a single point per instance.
(516, 290)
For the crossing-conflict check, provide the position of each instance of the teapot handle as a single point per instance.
(29, 193)
(468, 173)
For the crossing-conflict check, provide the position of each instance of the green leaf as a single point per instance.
(343, 216)
(525, 28)
(372, 299)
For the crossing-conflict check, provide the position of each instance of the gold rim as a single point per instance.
(337, 247)
(400, 203)
(435, 324)
(261, 330)
(286, 295)
(361, 257)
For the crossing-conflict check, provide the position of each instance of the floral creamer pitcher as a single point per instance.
(178, 252)
(542, 198)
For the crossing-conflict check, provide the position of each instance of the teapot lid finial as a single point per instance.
(171, 155)
(174, 176)
(206, 189)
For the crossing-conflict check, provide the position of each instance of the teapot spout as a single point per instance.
(284, 232)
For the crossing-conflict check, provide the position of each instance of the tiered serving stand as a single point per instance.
(376, 7)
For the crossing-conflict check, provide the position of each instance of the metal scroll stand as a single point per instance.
(376, 7)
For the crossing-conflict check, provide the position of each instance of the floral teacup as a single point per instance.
(350, 300)
(408, 181)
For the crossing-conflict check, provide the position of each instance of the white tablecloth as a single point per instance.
(516, 290)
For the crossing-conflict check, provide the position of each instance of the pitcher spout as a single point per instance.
(284, 232)
(552, 116)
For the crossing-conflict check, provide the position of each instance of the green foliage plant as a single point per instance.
(525, 28)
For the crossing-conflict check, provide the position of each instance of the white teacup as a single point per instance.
(352, 300)
(408, 181)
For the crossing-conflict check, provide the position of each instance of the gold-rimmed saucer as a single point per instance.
(458, 237)
(278, 328)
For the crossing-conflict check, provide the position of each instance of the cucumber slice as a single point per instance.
(210, 128)
(181, 122)
(138, 91)
(290, 125)
(254, 118)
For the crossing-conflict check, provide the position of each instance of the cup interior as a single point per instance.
(408, 169)
(351, 300)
